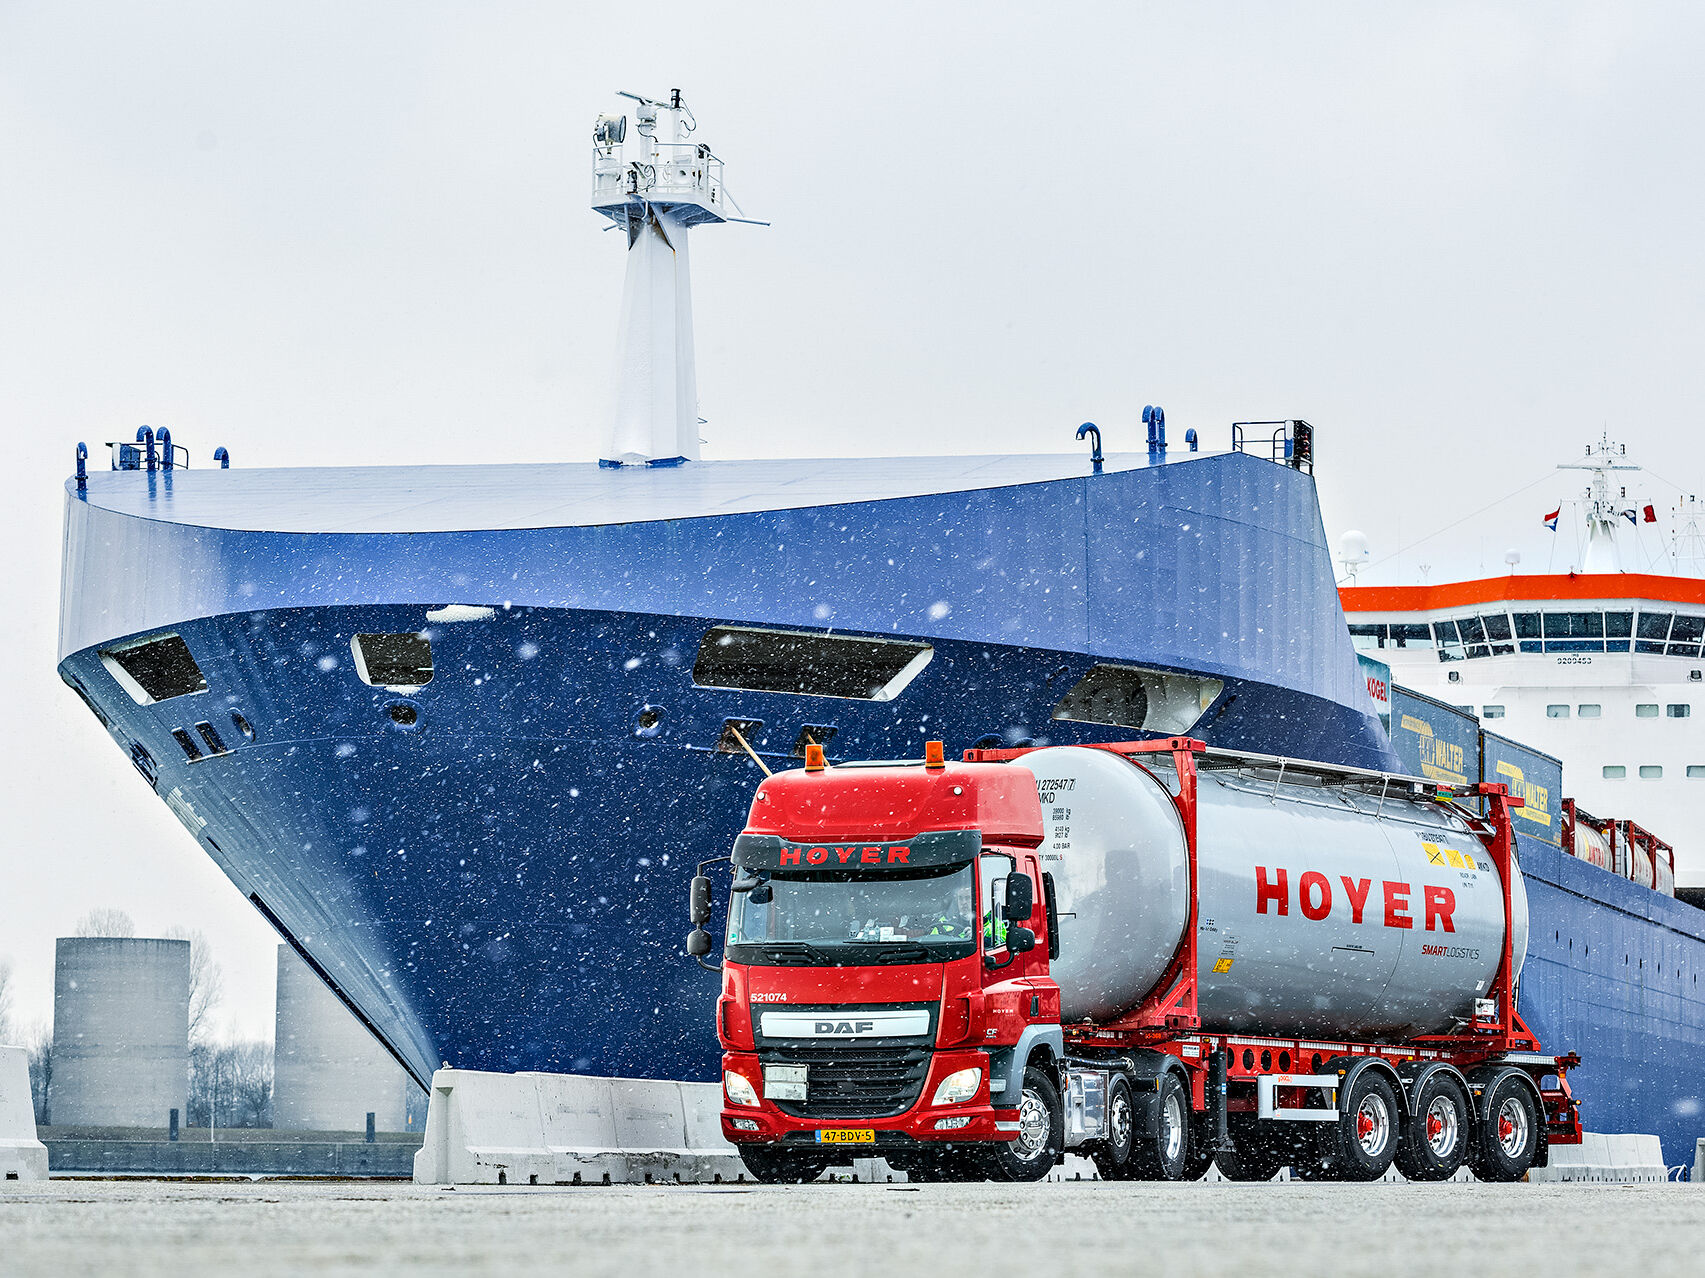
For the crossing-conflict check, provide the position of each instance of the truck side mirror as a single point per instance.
(1020, 940)
(698, 943)
(698, 903)
(1020, 899)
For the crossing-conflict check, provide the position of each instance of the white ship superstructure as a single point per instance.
(1600, 667)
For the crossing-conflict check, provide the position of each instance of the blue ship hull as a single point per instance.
(500, 884)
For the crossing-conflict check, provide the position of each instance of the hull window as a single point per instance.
(1144, 700)
(393, 661)
(157, 668)
(806, 664)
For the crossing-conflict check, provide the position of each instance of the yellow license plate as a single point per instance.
(847, 1136)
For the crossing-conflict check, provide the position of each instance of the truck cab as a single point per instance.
(885, 974)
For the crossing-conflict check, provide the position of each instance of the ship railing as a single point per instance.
(139, 455)
(1290, 444)
(678, 172)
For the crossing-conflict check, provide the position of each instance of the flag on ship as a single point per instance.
(1551, 519)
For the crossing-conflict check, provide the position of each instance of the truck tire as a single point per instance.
(1435, 1141)
(1113, 1155)
(1362, 1143)
(1258, 1155)
(774, 1165)
(1503, 1145)
(1041, 1133)
(1201, 1147)
(1160, 1149)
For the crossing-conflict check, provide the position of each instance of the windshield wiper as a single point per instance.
(900, 953)
(793, 952)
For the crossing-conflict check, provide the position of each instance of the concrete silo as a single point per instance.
(328, 1071)
(120, 1032)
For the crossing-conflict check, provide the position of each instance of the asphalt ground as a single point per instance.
(254, 1229)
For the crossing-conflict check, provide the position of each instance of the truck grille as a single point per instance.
(848, 1080)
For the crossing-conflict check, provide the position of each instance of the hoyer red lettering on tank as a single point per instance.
(1357, 891)
(899, 856)
(1441, 904)
(790, 856)
(1397, 905)
(816, 856)
(1314, 898)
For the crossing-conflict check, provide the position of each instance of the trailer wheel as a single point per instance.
(1258, 1154)
(782, 1166)
(1160, 1149)
(1435, 1142)
(1504, 1144)
(1041, 1133)
(1362, 1143)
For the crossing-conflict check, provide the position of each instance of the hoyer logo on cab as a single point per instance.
(1315, 898)
(866, 855)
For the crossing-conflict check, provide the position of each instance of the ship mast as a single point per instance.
(655, 183)
(1601, 508)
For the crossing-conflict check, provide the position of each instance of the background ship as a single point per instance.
(461, 732)
(1601, 670)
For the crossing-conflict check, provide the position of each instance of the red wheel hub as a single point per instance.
(1506, 1128)
(1364, 1126)
(1435, 1125)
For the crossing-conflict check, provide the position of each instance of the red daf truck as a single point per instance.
(1156, 954)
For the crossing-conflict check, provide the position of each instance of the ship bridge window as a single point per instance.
(1618, 625)
(1651, 771)
(393, 661)
(1498, 633)
(1646, 710)
(157, 668)
(1491, 712)
(1411, 635)
(1527, 631)
(1144, 700)
(1367, 638)
(1653, 629)
(811, 665)
(1589, 711)
(1574, 632)
(1695, 771)
(1556, 712)
(1615, 772)
(1685, 634)
(1678, 712)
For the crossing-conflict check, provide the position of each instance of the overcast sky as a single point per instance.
(1459, 239)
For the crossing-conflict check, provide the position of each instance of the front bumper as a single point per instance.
(766, 1124)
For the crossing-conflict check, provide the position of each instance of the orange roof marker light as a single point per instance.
(813, 757)
(934, 755)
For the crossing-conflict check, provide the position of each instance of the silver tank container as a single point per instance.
(1115, 844)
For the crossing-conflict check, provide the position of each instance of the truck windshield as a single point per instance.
(837, 917)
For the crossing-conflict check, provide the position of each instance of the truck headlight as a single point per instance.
(960, 1085)
(739, 1090)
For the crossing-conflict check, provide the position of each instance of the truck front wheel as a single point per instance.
(774, 1166)
(1041, 1133)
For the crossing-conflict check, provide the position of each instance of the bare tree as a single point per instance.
(206, 982)
(105, 922)
(230, 1084)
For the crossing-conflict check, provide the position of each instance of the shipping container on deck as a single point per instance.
(1533, 777)
(1433, 740)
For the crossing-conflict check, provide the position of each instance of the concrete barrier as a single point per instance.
(1619, 1159)
(22, 1156)
(556, 1129)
